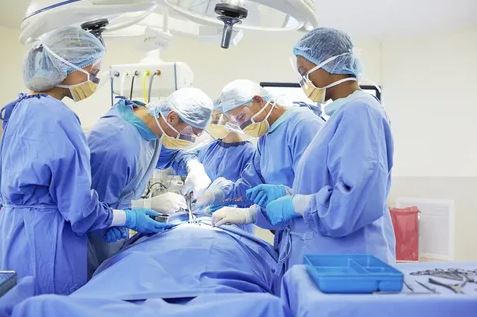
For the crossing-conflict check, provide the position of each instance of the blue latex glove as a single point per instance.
(140, 219)
(264, 194)
(115, 234)
(281, 210)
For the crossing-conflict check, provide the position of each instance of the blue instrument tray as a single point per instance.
(353, 274)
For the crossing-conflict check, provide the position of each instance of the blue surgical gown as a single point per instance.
(342, 183)
(175, 159)
(48, 204)
(122, 161)
(220, 159)
(226, 159)
(277, 155)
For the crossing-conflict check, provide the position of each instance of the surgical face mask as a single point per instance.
(82, 90)
(217, 131)
(318, 94)
(181, 141)
(257, 129)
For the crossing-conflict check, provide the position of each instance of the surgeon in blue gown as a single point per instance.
(338, 201)
(48, 206)
(226, 156)
(283, 135)
(125, 145)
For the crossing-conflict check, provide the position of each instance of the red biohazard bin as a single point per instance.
(406, 229)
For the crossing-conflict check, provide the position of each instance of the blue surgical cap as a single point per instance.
(192, 105)
(218, 106)
(322, 43)
(42, 70)
(238, 93)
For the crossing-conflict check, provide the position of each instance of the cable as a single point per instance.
(156, 73)
(132, 85)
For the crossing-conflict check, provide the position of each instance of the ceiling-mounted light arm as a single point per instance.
(229, 14)
(140, 17)
(165, 19)
(286, 20)
(96, 28)
(228, 30)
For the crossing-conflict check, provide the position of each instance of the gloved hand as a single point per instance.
(232, 215)
(263, 194)
(114, 234)
(139, 219)
(168, 203)
(281, 210)
(214, 194)
(197, 179)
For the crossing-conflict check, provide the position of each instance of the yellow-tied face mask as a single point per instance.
(257, 129)
(318, 94)
(217, 131)
(180, 142)
(312, 92)
(82, 90)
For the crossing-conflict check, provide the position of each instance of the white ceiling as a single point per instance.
(359, 17)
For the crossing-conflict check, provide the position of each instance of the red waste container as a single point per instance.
(406, 229)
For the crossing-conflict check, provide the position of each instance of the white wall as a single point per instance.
(431, 95)
(11, 58)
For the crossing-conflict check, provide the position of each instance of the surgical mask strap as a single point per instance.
(339, 82)
(326, 61)
(159, 125)
(170, 126)
(263, 109)
(65, 61)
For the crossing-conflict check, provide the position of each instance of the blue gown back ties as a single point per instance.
(47, 202)
(342, 182)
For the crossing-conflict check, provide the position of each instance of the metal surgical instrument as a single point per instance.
(456, 288)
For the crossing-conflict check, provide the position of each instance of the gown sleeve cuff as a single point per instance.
(194, 164)
(288, 190)
(301, 203)
(252, 214)
(119, 218)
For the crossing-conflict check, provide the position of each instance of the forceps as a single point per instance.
(456, 288)
(188, 197)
